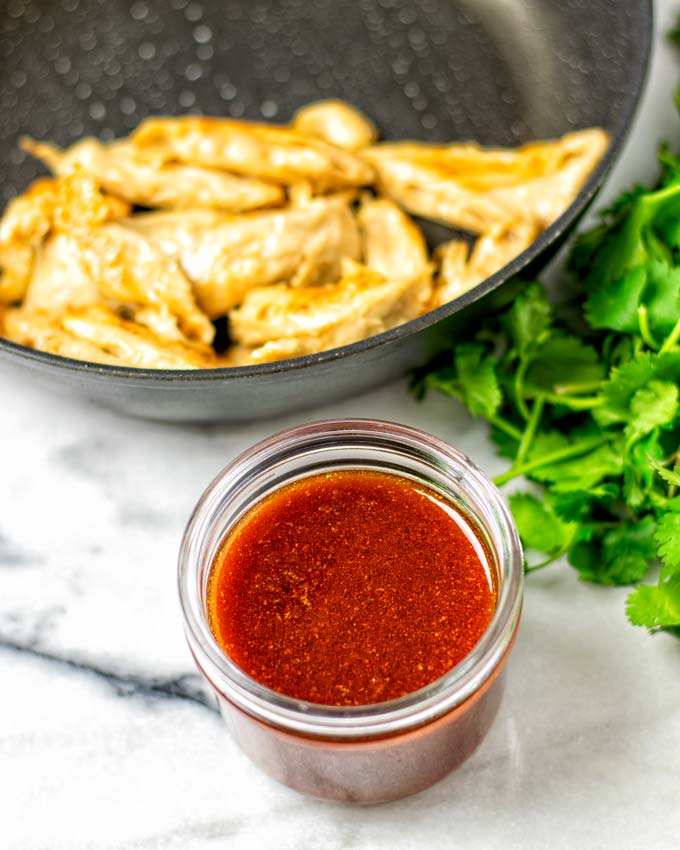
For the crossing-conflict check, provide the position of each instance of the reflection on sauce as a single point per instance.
(350, 588)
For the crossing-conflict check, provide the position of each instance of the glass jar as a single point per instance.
(373, 753)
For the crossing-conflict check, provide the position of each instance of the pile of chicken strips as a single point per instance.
(299, 235)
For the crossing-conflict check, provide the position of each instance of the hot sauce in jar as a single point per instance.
(351, 590)
(350, 587)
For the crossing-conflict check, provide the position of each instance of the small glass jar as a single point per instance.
(372, 753)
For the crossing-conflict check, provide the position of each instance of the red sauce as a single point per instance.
(350, 588)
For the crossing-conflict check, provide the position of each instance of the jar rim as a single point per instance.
(350, 722)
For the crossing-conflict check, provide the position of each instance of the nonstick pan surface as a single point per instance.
(493, 71)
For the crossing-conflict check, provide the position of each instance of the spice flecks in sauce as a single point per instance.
(350, 588)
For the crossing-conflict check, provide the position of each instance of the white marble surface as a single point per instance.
(106, 737)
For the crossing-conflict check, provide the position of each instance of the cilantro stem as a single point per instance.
(671, 339)
(575, 389)
(519, 380)
(557, 456)
(506, 427)
(645, 330)
(572, 402)
(551, 560)
(530, 430)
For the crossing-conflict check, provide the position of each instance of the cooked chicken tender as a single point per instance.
(392, 244)
(144, 177)
(61, 277)
(298, 321)
(68, 205)
(259, 150)
(225, 256)
(475, 189)
(461, 270)
(99, 335)
(335, 122)
(16, 266)
(132, 270)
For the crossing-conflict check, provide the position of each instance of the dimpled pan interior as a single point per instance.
(495, 71)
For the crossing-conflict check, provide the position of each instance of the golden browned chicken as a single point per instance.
(134, 271)
(280, 321)
(392, 244)
(475, 189)
(335, 122)
(259, 150)
(461, 270)
(146, 178)
(267, 226)
(225, 256)
(69, 205)
(99, 335)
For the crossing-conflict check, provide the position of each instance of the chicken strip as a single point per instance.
(460, 270)
(337, 123)
(280, 321)
(393, 245)
(260, 150)
(146, 178)
(474, 189)
(71, 204)
(130, 270)
(61, 277)
(225, 256)
(99, 335)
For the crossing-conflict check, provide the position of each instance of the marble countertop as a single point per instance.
(109, 740)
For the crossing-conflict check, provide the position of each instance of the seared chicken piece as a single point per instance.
(48, 205)
(225, 256)
(337, 123)
(472, 188)
(16, 266)
(460, 270)
(64, 277)
(260, 150)
(392, 244)
(280, 321)
(61, 277)
(134, 271)
(144, 177)
(97, 334)
(88, 253)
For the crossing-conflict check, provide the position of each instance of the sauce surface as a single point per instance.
(350, 588)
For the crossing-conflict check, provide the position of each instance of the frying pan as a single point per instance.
(500, 72)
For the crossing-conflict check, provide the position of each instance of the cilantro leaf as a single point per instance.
(576, 505)
(476, 372)
(638, 473)
(616, 306)
(620, 556)
(671, 476)
(529, 319)
(563, 360)
(539, 526)
(662, 296)
(657, 608)
(582, 472)
(667, 539)
(652, 406)
(624, 381)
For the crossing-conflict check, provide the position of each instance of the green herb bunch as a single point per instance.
(584, 399)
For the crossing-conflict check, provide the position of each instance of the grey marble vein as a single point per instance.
(186, 686)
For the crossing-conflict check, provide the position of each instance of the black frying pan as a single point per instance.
(500, 72)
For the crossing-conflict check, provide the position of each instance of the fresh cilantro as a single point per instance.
(657, 608)
(540, 528)
(477, 380)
